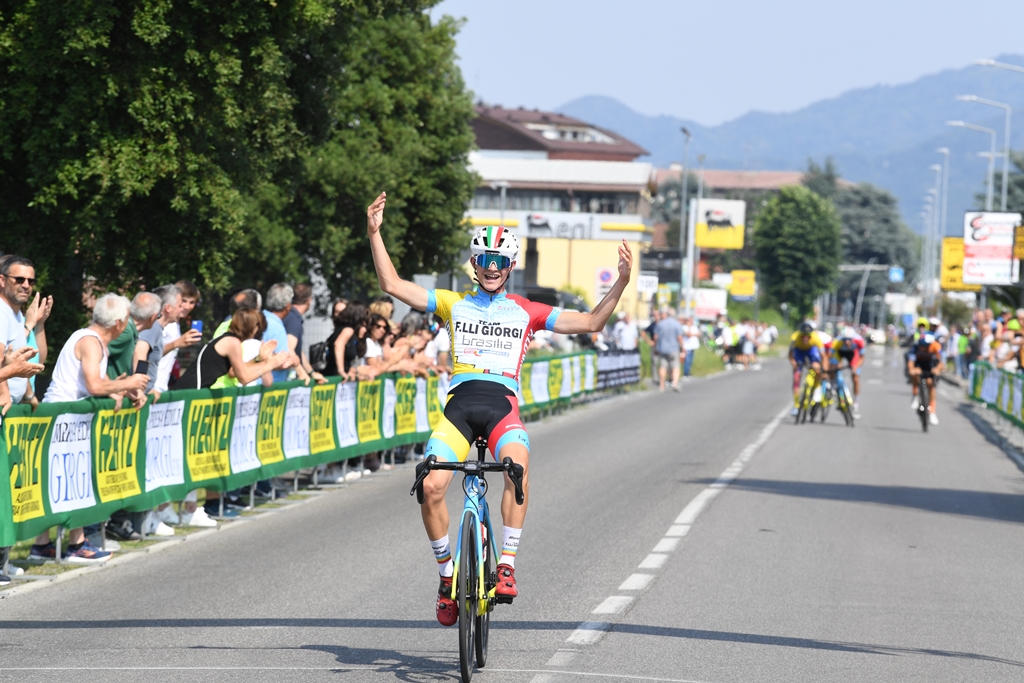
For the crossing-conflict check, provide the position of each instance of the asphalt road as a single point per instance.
(675, 537)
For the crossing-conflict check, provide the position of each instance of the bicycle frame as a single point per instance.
(475, 505)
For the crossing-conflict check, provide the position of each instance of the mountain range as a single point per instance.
(886, 135)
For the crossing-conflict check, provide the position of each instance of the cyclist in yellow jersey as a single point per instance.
(806, 346)
(490, 332)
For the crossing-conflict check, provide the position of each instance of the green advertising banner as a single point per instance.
(77, 463)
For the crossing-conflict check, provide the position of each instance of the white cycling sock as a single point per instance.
(443, 554)
(510, 546)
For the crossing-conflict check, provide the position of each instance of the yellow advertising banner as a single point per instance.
(434, 408)
(952, 272)
(321, 418)
(720, 223)
(555, 375)
(116, 445)
(743, 283)
(208, 438)
(368, 410)
(270, 427)
(405, 405)
(26, 438)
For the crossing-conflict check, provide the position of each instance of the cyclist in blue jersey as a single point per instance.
(490, 332)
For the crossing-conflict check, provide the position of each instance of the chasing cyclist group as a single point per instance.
(826, 355)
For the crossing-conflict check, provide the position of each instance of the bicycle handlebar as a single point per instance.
(512, 469)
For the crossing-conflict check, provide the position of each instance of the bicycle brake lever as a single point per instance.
(422, 470)
(515, 473)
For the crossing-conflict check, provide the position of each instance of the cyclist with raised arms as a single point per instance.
(490, 332)
(806, 346)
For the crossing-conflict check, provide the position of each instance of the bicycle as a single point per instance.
(924, 401)
(807, 405)
(474, 582)
(844, 402)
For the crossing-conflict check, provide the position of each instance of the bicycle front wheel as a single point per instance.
(467, 597)
(922, 410)
(483, 621)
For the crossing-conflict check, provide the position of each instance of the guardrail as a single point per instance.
(74, 464)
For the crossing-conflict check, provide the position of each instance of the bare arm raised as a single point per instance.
(574, 322)
(403, 290)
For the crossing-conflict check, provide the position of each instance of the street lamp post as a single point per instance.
(1006, 136)
(992, 150)
(684, 251)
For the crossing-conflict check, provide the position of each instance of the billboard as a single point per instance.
(988, 248)
(719, 223)
(744, 285)
(708, 304)
(951, 275)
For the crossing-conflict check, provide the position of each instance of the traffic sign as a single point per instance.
(895, 274)
(647, 283)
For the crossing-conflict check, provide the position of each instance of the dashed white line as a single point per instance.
(590, 632)
(562, 657)
(636, 582)
(613, 604)
(653, 561)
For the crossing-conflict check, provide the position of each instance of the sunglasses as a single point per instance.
(485, 261)
(381, 326)
(20, 279)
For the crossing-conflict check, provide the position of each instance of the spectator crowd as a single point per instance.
(136, 349)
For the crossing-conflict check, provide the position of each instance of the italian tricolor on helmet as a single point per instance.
(494, 244)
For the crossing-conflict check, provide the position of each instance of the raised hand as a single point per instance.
(625, 261)
(375, 213)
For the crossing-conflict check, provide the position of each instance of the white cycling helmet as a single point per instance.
(494, 239)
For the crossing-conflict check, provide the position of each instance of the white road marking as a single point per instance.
(636, 582)
(613, 604)
(590, 632)
(653, 561)
(667, 545)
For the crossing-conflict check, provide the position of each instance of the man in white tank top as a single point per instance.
(81, 372)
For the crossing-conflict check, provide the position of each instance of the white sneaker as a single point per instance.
(856, 411)
(331, 475)
(933, 419)
(163, 530)
(794, 412)
(352, 476)
(168, 516)
(197, 518)
(914, 403)
(14, 570)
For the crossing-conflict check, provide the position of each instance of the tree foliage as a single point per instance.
(871, 229)
(230, 142)
(797, 243)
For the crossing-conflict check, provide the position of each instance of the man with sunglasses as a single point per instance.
(490, 333)
(18, 280)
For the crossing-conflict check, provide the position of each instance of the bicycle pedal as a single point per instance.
(503, 600)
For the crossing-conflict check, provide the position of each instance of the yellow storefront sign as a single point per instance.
(368, 410)
(270, 427)
(26, 442)
(952, 272)
(720, 223)
(116, 446)
(321, 418)
(208, 438)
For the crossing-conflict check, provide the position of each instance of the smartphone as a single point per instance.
(142, 367)
(197, 325)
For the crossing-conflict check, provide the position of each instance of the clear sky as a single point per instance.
(714, 60)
